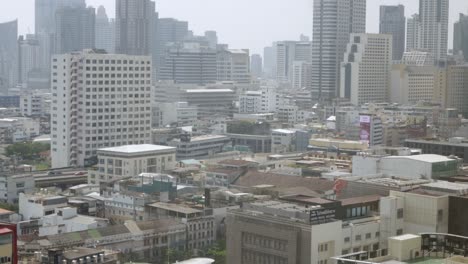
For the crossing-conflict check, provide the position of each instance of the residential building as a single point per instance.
(199, 147)
(134, 26)
(333, 22)
(279, 232)
(460, 36)
(93, 110)
(38, 205)
(413, 33)
(19, 129)
(457, 88)
(28, 57)
(75, 29)
(286, 53)
(199, 222)
(8, 53)
(366, 68)
(189, 63)
(233, 65)
(126, 205)
(393, 22)
(302, 75)
(35, 103)
(256, 65)
(434, 19)
(131, 160)
(12, 185)
(105, 31)
(264, 100)
(456, 146)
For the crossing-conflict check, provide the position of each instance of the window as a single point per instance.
(368, 235)
(440, 215)
(377, 234)
(358, 237)
(399, 232)
(346, 239)
(400, 213)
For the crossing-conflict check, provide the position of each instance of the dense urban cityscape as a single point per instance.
(130, 138)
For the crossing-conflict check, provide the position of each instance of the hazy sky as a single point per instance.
(240, 23)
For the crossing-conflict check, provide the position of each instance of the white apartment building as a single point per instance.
(283, 140)
(35, 103)
(12, 186)
(302, 75)
(366, 69)
(131, 160)
(174, 113)
(233, 65)
(19, 129)
(286, 53)
(265, 100)
(38, 205)
(98, 100)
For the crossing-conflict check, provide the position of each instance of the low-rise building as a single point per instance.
(455, 146)
(19, 129)
(12, 185)
(199, 147)
(36, 206)
(128, 161)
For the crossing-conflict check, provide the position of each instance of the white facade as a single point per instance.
(178, 113)
(286, 53)
(12, 186)
(302, 75)
(265, 100)
(130, 161)
(283, 140)
(233, 65)
(35, 103)
(35, 206)
(434, 19)
(366, 69)
(99, 100)
(20, 128)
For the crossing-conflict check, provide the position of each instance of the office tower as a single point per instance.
(75, 27)
(169, 31)
(98, 100)
(189, 63)
(433, 16)
(47, 46)
(460, 36)
(334, 20)
(286, 53)
(233, 65)
(366, 69)
(45, 12)
(28, 57)
(269, 61)
(134, 26)
(8, 52)
(393, 22)
(256, 65)
(105, 28)
(413, 33)
(457, 88)
(212, 38)
(302, 75)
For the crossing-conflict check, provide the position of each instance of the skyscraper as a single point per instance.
(413, 33)
(334, 20)
(75, 28)
(170, 30)
(105, 30)
(433, 15)
(366, 69)
(269, 61)
(392, 21)
(460, 36)
(45, 12)
(28, 57)
(8, 51)
(256, 65)
(134, 26)
(287, 52)
(92, 110)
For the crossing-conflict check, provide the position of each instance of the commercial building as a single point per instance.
(28, 57)
(337, 145)
(413, 33)
(302, 75)
(456, 146)
(130, 161)
(265, 100)
(434, 19)
(199, 147)
(333, 22)
(74, 29)
(393, 22)
(256, 65)
(233, 65)
(105, 31)
(19, 129)
(287, 52)
(169, 30)
(178, 114)
(45, 13)
(457, 88)
(460, 36)
(417, 58)
(366, 68)
(189, 63)
(210, 102)
(8, 53)
(93, 109)
(134, 26)
(127, 205)
(288, 140)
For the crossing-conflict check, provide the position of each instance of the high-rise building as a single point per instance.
(75, 28)
(233, 65)
(413, 33)
(105, 31)
(286, 53)
(47, 45)
(393, 22)
(334, 20)
(134, 26)
(212, 38)
(460, 36)
(169, 31)
(302, 75)
(45, 12)
(8, 52)
(28, 57)
(189, 63)
(256, 65)
(98, 100)
(366, 69)
(433, 16)
(269, 61)
(457, 88)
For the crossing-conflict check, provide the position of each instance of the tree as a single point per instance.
(218, 252)
(26, 150)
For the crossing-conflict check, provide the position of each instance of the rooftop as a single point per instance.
(131, 149)
(284, 131)
(209, 91)
(175, 208)
(233, 162)
(432, 158)
(360, 200)
(405, 237)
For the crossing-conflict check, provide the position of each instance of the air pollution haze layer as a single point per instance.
(239, 23)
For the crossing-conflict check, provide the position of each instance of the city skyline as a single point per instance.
(242, 33)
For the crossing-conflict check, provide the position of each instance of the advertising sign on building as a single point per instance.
(365, 125)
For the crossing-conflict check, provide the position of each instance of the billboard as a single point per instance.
(365, 131)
